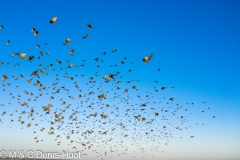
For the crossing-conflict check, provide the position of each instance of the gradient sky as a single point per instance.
(195, 43)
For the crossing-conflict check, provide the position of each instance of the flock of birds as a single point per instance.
(95, 114)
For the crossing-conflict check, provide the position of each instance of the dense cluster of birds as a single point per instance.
(106, 114)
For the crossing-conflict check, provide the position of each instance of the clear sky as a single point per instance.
(196, 44)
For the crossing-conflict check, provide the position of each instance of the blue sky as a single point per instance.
(195, 43)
